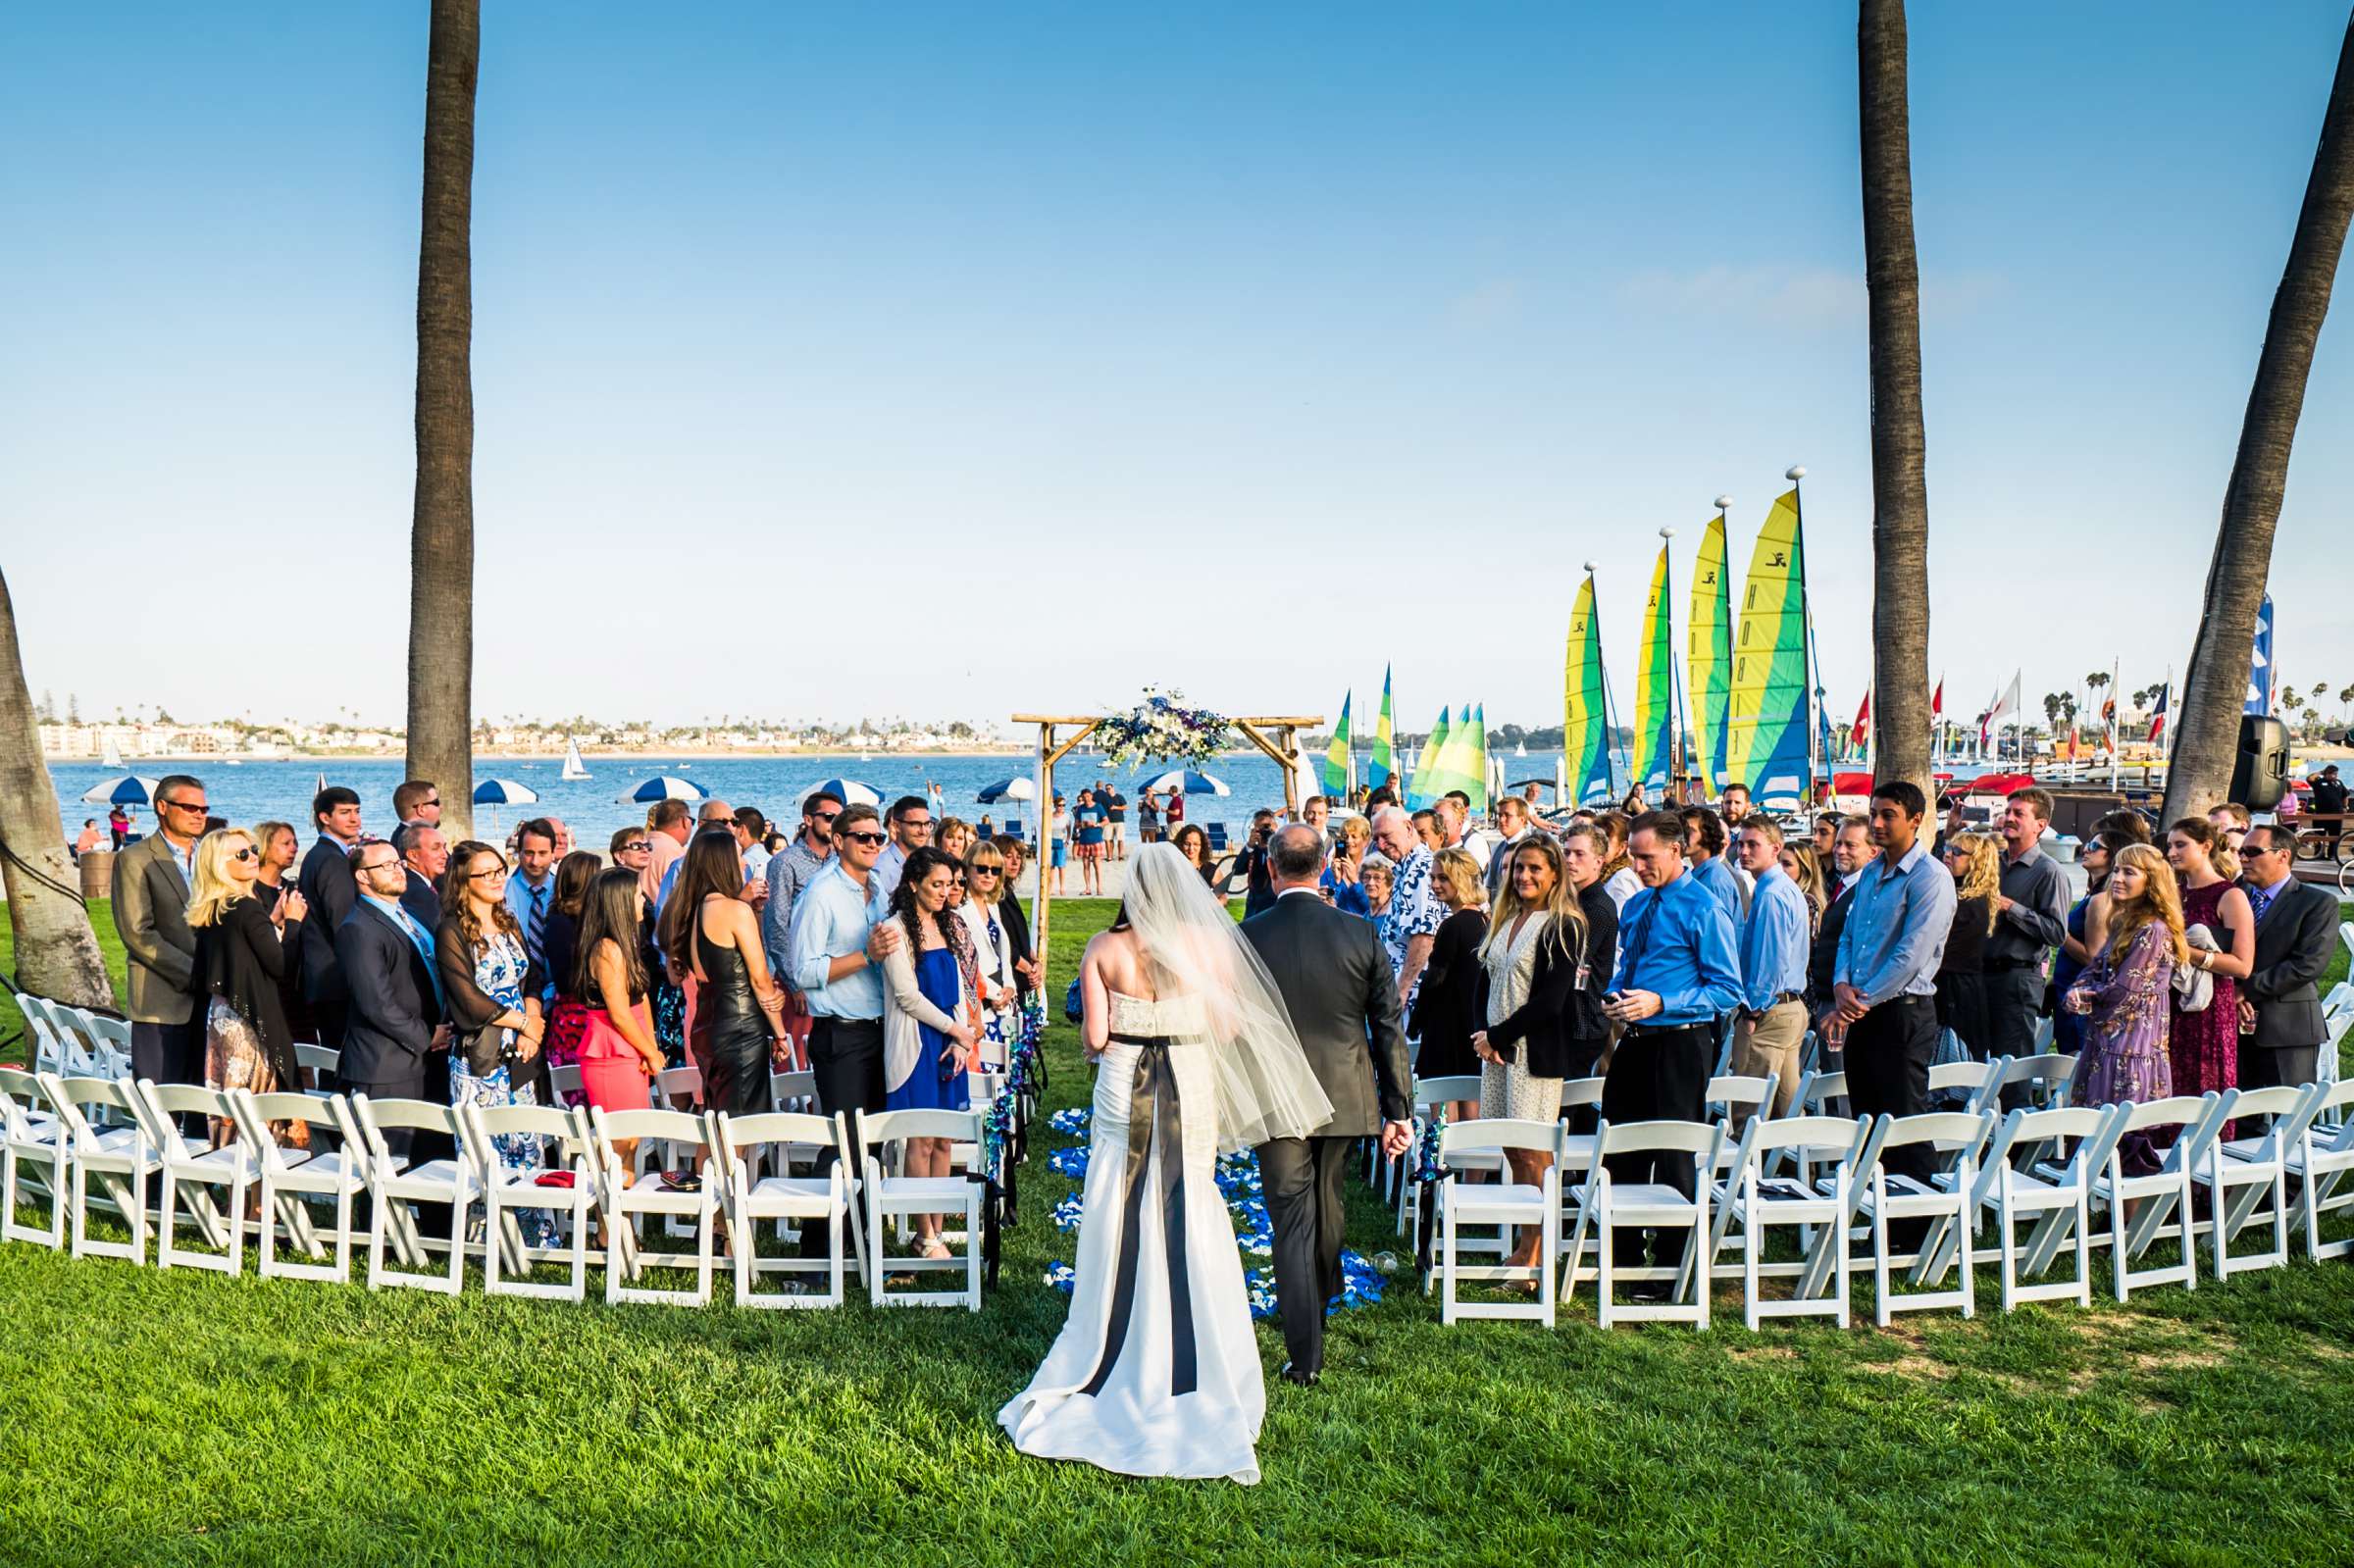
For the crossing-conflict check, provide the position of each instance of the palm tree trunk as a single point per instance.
(57, 952)
(441, 530)
(2214, 688)
(1900, 527)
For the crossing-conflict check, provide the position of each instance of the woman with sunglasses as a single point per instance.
(491, 991)
(992, 951)
(242, 956)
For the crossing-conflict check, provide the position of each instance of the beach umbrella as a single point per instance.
(662, 786)
(1185, 779)
(503, 792)
(128, 790)
(849, 791)
(1007, 789)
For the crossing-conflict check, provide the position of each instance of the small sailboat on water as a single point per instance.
(112, 757)
(574, 768)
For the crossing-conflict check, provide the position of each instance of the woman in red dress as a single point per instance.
(2204, 1047)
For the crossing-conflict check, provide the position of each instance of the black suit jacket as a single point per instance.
(1822, 960)
(2292, 949)
(1342, 996)
(328, 885)
(423, 903)
(393, 1014)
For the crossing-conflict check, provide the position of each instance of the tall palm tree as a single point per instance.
(1900, 524)
(2214, 688)
(57, 952)
(442, 527)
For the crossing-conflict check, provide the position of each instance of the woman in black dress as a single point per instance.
(710, 933)
(1447, 1006)
(243, 953)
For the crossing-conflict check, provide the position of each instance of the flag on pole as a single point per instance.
(2158, 714)
(2263, 677)
(1937, 701)
(1855, 736)
(2006, 706)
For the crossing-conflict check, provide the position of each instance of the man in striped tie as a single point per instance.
(532, 890)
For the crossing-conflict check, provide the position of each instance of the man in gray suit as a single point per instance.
(150, 897)
(1338, 987)
(2280, 1010)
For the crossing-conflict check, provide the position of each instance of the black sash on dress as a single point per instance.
(1153, 1101)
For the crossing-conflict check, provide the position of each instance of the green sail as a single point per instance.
(1709, 656)
(1585, 712)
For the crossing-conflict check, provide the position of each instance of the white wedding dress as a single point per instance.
(1157, 1370)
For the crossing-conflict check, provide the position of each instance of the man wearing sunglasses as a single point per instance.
(417, 800)
(838, 941)
(2281, 1022)
(790, 871)
(150, 894)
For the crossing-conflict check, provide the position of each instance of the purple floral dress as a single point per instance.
(2125, 1054)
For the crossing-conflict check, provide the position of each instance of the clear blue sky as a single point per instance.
(953, 360)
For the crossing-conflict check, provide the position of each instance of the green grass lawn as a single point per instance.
(185, 1418)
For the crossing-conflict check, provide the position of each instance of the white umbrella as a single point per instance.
(1185, 779)
(128, 790)
(662, 786)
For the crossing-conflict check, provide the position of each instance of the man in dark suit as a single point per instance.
(426, 854)
(1343, 1000)
(325, 885)
(1849, 852)
(385, 960)
(2295, 925)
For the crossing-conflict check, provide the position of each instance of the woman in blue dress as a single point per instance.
(927, 1023)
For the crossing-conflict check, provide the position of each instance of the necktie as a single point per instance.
(1639, 939)
(531, 936)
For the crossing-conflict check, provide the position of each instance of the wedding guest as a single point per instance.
(2280, 1010)
(1679, 971)
(1115, 813)
(1379, 880)
(1704, 844)
(395, 1018)
(1317, 812)
(1147, 817)
(2230, 822)
(1454, 811)
(632, 850)
(2203, 1046)
(752, 834)
(710, 933)
(241, 961)
(617, 1055)
(1258, 882)
(2122, 996)
(425, 856)
(88, 839)
(1011, 914)
(1340, 880)
(1770, 1027)
(954, 838)
(417, 800)
(1448, 1011)
(531, 888)
(1618, 875)
(1975, 861)
(1411, 922)
(1194, 844)
(1804, 868)
(1175, 814)
(1533, 963)
(1582, 846)
(1826, 833)
(280, 850)
(2131, 824)
(1059, 838)
(668, 827)
(150, 891)
(715, 817)
(1848, 857)
(1513, 820)
(2088, 920)
(911, 826)
(1734, 806)
(567, 1010)
(491, 988)
(839, 938)
(2030, 919)
(928, 1046)
(1088, 824)
(993, 952)
(1635, 803)
(1427, 829)
(1884, 987)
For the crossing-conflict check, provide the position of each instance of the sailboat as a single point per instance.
(1585, 705)
(1380, 768)
(112, 757)
(1708, 653)
(1519, 749)
(1769, 739)
(1656, 729)
(1340, 757)
(574, 768)
(1419, 793)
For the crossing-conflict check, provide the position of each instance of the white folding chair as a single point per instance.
(394, 1182)
(2045, 1077)
(288, 1176)
(1947, 1202)
(2055, 1193)
(625, 1195)
(1605, 1205)
(110, 1042)
(1425, 1100)
(121, 1156)
(46, 1055)
(1503, 1203)
(2241, 1173)
(193, 1165)
(32, 1158)
(2160, 1199)
(1759, 1201)
(2324, 1154)
(794, 1091)
(508, 1188)
(1958, 1084)
(1740, 1095)
(891, 1196)
(781, 1196)
(319, 1064)
(564, 1085)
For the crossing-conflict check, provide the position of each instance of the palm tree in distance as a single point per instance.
(2214, 688)
(1900, 524)
(442, 526)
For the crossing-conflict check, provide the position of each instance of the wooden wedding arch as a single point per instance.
(1052, 748)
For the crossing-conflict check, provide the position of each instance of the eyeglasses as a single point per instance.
(639, 845)
(916, 824)
(495, 872)
(866, 837)
(382, 865)
(185, 805)
(246, 853)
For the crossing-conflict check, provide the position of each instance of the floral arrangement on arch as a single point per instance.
(1163, 728)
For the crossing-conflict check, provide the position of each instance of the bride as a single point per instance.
(1156, 1370)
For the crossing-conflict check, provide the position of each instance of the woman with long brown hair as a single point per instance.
(709, 932)
(491, 991)
(2124, 997)
(561, 939)
(2203, 1046)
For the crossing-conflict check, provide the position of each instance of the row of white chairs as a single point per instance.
(63, 1137)
(2054, 1170)
(73, 1040)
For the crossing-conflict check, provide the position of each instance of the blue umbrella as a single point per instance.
(662, 786)
(1007, 789)
(128, 790)
(849, 791)
(503, 792)
(1185, 779)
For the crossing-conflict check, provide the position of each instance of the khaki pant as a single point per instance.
(1771, 1044)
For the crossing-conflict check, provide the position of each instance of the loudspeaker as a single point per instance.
(2260, 768)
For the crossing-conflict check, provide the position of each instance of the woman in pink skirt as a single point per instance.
(618, 1054)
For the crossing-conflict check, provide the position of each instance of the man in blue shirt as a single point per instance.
(1884, 1012)
(1677, 972)
(1705, 839)
(1771, 1026)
